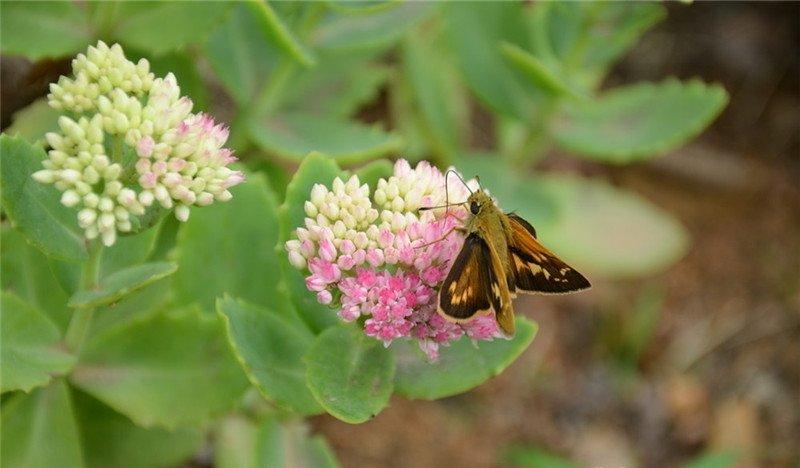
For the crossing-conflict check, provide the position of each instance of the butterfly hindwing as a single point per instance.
(535, 269)
(470, 288)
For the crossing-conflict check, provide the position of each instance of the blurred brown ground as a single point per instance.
(722, 370)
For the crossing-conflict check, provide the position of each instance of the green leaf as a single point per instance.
(160, 27)
(271, 350)
(714, 460)
(242, 443)
(537, 72)
(534, 457)
(39, 430)
(32, 122)
(240, 57)
(146, 301)
(476, 30)
(371, 172)
(168, 369)
(33, 208)
(634, 122)
(275, 30)
(293, 136)
(117, 285)
(436, 93)
(31, 349)
(608, 231)
(374, 30)
(338, 86)
(461, 366)
(26, 273)
(350, 374)
(230, 248)
(43, 29)
(110, 439)
(315, 169)
(128, 251)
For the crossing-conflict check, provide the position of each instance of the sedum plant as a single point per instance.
(123, 327)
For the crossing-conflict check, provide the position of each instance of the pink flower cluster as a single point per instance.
(382, 259)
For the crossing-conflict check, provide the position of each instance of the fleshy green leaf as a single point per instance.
(110, 439)
(33, 208)
(160, 27)
(146, 301)
(43, 29)
(476, 31)
(230, 248)
(533, 457)
(26, 273)
(537, 72)
(128, 251)
(32, 122)
(39, 430)
(117, 285)
(350, 374)
(30, 348)
(292, 136)
(461, 366)
(240, 56)
(637, 238)
(315, 169)
(638, 121)
(168, 369)
(437, 95)
(279, 33)
(242, 443)
(271, 350)
(371, 172)
(373, 30)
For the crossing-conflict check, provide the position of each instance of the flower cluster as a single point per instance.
(382, 259)
(135, 142)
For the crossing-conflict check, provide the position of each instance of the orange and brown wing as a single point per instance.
(470, 288)
(534, 268)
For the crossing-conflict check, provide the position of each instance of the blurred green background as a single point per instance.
(582, 117)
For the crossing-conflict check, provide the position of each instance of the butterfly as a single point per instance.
(500, 257)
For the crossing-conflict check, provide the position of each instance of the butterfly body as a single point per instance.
(500, 257)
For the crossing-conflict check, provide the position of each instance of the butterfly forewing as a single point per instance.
(534, 268)
(471, 286)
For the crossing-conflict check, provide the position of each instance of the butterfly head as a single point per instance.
(478, 200)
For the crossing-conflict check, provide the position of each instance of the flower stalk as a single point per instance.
(82, 317)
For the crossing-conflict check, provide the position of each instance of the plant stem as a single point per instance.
(82, 318)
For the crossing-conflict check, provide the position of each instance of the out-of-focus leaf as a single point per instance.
(360, 7)
(476, 31)
(407, 121)
(536, 71)
(437, 94)
(586, 37)
(373, 30)
(315, 169)
(461, 366)
(350, 374)
(30, 347)
(242, 443)
(275, 30)
(714, 460)
(608, 231)
(43, 29)
(270, 348)
(168, 369)
(337, 86)
(33, 208)
(26, 273)
(111, 439)
(160, 27)
(372, 172)
(39, 430)
(638, 121)
(240, 56)
(293, 136)
(117, 285)
(533, 457)
(32, 122)
(230, 248)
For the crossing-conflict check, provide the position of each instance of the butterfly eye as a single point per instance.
(474, 207)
